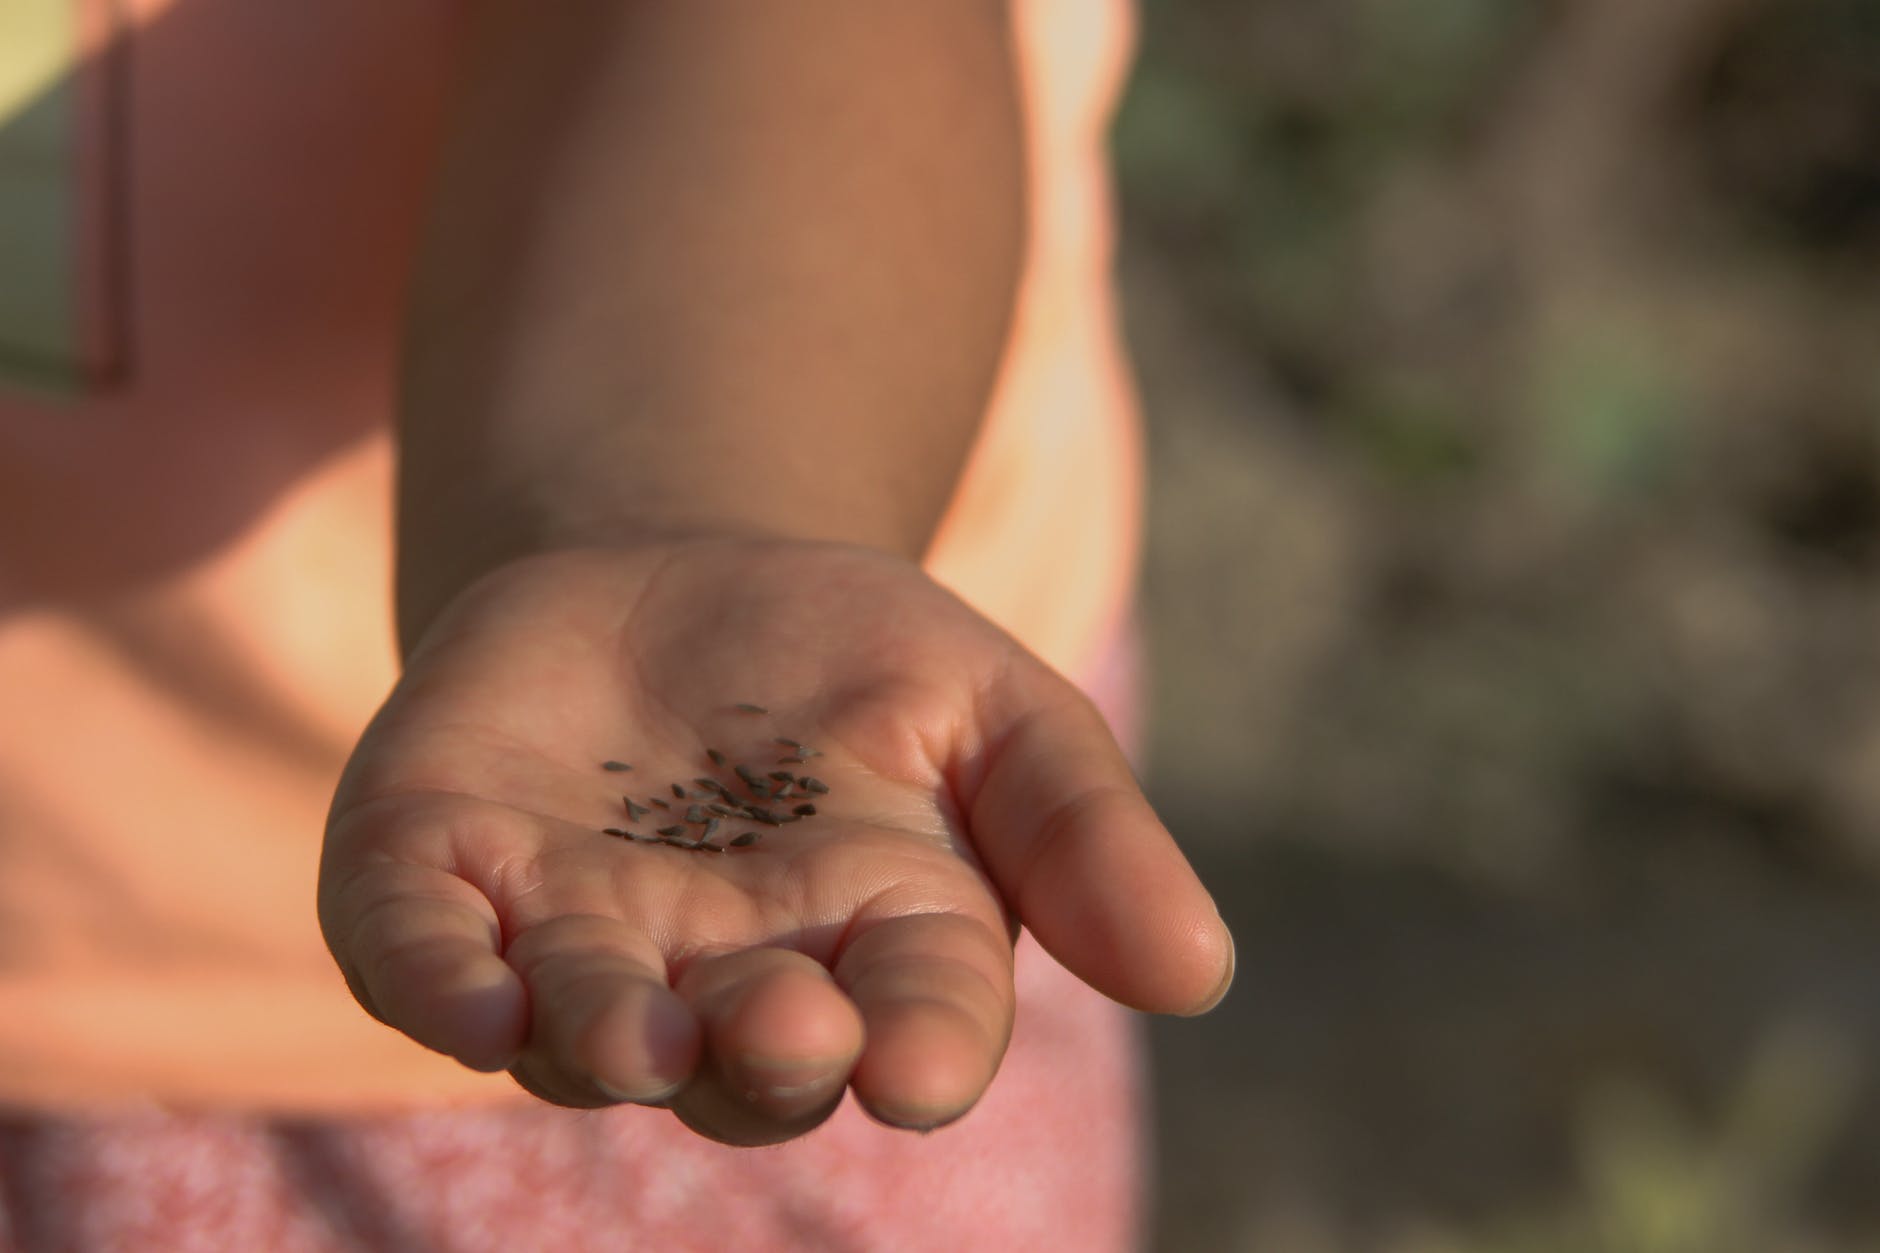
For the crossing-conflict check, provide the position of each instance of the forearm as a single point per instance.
(712, 265)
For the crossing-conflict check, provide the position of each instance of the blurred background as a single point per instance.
(1513, 588)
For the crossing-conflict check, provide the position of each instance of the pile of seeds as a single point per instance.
(697, 810)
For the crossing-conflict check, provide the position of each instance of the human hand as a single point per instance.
(473, 902)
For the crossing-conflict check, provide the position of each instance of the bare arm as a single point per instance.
(719, 265)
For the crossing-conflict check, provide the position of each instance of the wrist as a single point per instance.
(436, 567)
(439, 560)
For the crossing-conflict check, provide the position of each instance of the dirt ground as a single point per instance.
(1512, 594)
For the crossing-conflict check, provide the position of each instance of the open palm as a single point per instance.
(473, 901)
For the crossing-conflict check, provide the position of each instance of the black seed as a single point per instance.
(615, 765)
(670, 832)
(718, 758)
(703, 847)
(723, 811)
(751, 709)
(678, 791)
(782, 776)
(809, 784)
(711, 829)
(613, 831)
(796, 760)
(804, 811)
(765, 816)
(658, 802)
(635, 812)
(695, 813)
(677, 841)
(746, 840)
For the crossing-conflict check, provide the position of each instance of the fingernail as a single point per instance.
(670, 1044)
(777, 1080)
(783, 1091)
(1227, 979)
(659, 1098)
(923, 1122)
(489, 1065)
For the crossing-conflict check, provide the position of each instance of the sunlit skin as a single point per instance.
(475, 905)
(712, 300)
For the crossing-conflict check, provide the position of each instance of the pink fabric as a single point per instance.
(1051, 1158)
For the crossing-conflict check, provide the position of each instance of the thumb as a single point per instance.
(1067, 835)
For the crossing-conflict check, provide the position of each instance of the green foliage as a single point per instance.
(1410, 429)
(1609, 409)
(1653, 1183)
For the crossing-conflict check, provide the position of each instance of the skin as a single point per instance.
(708, 314)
